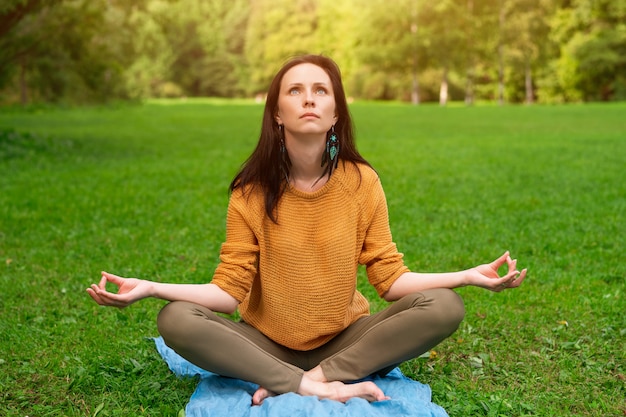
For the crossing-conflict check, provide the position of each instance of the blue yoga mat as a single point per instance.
(218, 396)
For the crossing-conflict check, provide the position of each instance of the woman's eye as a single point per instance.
(294, 91)
(320, 91)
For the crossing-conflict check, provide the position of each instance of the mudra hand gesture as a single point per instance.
(487, 275)
(129, 291)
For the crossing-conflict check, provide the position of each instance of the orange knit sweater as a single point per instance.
(296, 280)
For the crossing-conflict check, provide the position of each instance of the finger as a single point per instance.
(510, 276)
(507, 281)
(113, 299)
(97, 294)
(97, 289)
(515, 280)
(93, 295)
(103, 282)
(112, 278)
(519, 279)
(511, 263)
(102, 296)
(500, 261)
(105, 298)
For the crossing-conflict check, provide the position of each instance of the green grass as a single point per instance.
(142, 191)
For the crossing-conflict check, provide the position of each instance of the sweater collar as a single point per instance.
(335, 176)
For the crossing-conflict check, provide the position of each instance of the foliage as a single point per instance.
(593, 53)
(142, 191)
(519, 50)
(61, 53)
(527, 28)
(278, 29)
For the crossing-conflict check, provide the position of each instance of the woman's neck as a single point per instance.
(306, 171)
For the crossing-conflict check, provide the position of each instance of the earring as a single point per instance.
(332, 150)
(281, 141)
(284, 156)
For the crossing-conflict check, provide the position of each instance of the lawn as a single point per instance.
(141, 190)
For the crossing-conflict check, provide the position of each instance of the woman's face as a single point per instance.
(306, 101)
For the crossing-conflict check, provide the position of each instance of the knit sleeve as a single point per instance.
(384, 264)
(239, 253)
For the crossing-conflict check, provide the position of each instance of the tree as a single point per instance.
(391, 47)
(13, 11)
(148, 72)
(206, 38)
(277, 30)
(64, 53)
(592, 60)
(525, 35)
(418, 50)
(16, 44)
(335, 36)
(446, 24)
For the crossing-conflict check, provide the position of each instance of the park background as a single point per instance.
(122, 124)
(76, 51)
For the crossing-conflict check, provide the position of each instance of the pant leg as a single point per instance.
(228, 348)
(404, 330)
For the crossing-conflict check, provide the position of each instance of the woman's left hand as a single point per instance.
(487, 276)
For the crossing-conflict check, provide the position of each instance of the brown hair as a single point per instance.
(266, 167)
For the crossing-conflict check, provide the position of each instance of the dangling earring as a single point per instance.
(330, 155)
(284, 156)
(281, 141)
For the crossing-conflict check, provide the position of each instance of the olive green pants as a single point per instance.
(372, 345)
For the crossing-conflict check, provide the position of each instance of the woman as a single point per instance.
(305, 210)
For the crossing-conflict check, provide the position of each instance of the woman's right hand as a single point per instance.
(129, 291)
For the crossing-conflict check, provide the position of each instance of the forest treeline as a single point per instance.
(82, 51)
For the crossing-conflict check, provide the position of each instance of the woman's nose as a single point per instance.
(309, 98)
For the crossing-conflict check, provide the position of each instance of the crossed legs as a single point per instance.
(374, 344)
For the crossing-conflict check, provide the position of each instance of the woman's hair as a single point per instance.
(267, 167)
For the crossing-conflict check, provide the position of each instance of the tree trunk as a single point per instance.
(443, 90)
(530, 94)
(23, 86)
(469, 87)
(415, 95)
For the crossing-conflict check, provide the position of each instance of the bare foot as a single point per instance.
(366, 390)
(314, 383)
(260, 395)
